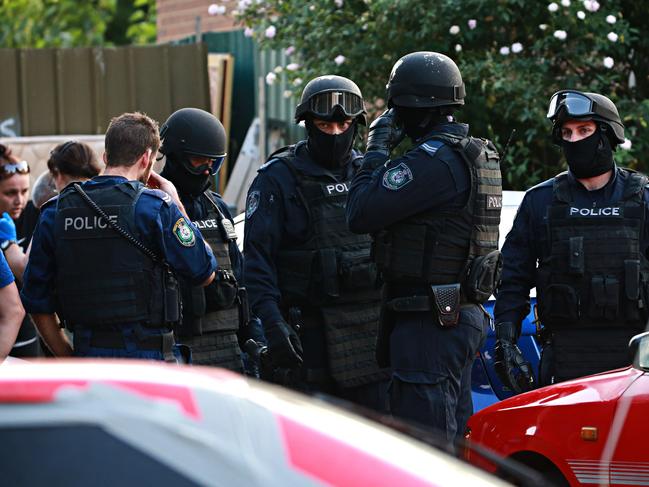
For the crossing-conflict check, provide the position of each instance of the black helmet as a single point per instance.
(425, 79)
(326, 96)
(573, 104)
(194, 132)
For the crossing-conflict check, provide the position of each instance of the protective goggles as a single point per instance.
(576, 104)
(214, 166)
(323, 104)
(14, 168)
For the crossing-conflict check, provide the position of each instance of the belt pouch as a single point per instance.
(447, 304)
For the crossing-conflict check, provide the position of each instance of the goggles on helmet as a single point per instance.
(12, 168)
(323, 104)
(575, 104)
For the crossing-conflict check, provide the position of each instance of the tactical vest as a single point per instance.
(332, 270)
(332, 264)
(102, 278)
(596, 273)
(214, 308)
(439, 246)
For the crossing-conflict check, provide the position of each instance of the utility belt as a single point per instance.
(445, 301)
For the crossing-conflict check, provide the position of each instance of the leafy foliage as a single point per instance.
(513, 55)
(70, 23)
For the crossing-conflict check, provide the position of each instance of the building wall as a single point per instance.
(176, 19)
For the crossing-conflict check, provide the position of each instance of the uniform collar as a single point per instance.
(450, 128)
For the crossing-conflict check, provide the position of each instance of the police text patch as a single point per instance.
(494, 202)
(596, 212)
(252, 203)
(396, 178)
(184, 233)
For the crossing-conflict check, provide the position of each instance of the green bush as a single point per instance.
(513, 55)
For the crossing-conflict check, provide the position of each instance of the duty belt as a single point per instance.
(444, 300)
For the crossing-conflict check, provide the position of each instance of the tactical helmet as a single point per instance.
(194, 132)
(573, 104)
(425, 79)
(327, 96)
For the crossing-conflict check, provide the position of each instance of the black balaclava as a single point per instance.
(589, 157)
(418, 122)
(330, 151)
(186, 182)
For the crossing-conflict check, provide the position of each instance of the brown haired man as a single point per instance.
(105, 254)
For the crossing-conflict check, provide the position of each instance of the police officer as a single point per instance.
(310, 279)
(434, 214)
(581, 239)
(194, 144)
(105, 252)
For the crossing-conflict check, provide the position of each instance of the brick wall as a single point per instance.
(176, 19)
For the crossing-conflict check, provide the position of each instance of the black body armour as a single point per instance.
(330, 276)
(596, 272)
(451, 252)
(211, 314)
(102, 278)
(596, 276)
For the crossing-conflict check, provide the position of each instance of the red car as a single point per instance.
(588, 431)
(101, 422)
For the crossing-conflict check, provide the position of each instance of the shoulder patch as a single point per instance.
(184, 233)
(396, 178)
(252, 203)
(432, 146)
(158, 193)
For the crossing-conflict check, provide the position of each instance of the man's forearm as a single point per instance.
(52, 334)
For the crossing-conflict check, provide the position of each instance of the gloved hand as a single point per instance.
(513, 370)
(284, 345)
(385, 133)
(7, 228)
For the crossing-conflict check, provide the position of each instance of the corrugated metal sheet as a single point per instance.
(249, 64)
(78, 91)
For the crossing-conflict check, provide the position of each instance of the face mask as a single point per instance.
(186, 182)
(589, 157)
(330, 151)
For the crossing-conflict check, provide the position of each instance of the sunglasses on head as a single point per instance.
(14, 168)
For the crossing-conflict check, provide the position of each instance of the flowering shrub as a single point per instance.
(513, 55)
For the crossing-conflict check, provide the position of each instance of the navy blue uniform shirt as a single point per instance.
(431, 175)
(274, 216)
(155, 215)
(527, 243)
(197, 209)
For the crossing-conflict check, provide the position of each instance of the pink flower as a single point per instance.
(248, 32)
(472, 23)
(608, 62)
(289, 50)
(271, 78)
(339, 59)
(292, 66)
(270, 32)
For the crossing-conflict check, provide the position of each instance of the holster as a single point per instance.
(446, 299)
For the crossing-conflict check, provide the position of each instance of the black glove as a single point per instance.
(513, 370)
(284, 345)
(385, 133)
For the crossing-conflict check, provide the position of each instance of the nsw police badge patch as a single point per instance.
(184, 233)
(252, 203)
(396, 178)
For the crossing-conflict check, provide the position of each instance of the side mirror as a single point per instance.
(639, 347)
